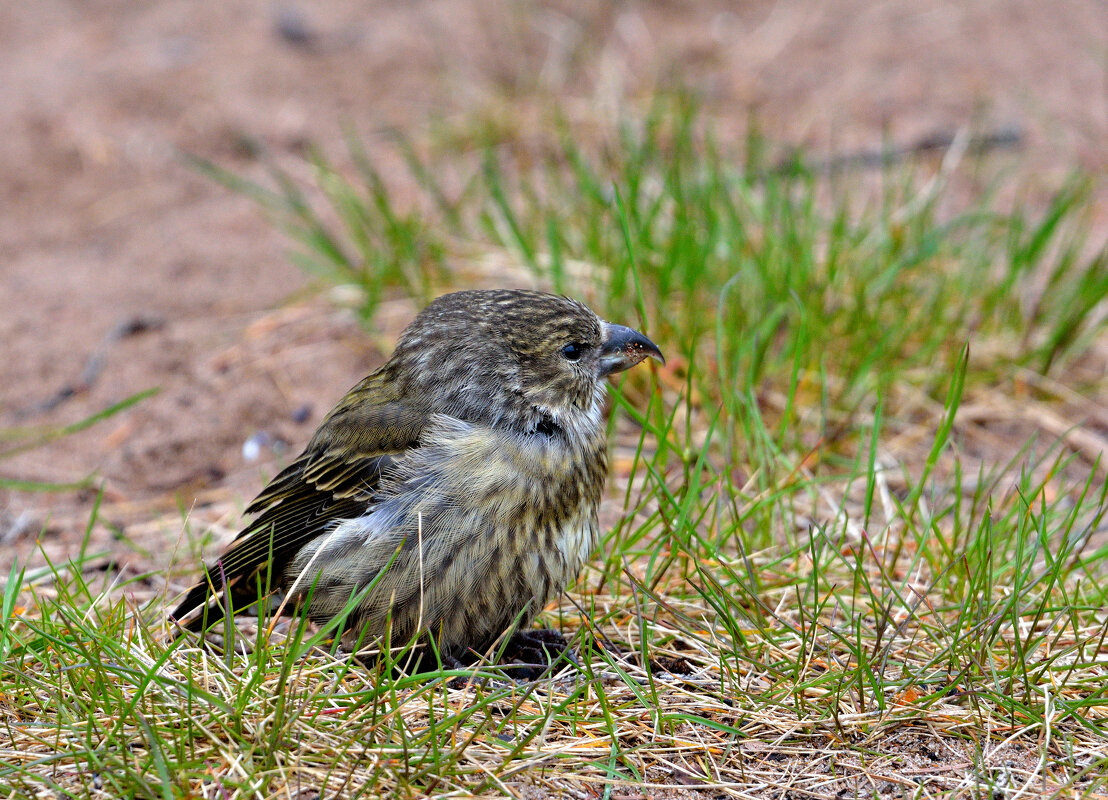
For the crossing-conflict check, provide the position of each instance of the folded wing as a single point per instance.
(335, 478)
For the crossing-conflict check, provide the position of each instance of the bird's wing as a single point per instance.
(333, 479)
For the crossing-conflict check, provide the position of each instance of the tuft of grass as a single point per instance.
(851, 548)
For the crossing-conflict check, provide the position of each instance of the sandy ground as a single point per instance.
(121, 269)
(119, 261)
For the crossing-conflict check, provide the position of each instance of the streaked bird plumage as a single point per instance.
(464, 476)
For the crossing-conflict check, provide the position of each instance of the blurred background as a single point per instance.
(123, 268)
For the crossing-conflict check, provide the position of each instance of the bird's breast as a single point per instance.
(502, 472)
(468, 533)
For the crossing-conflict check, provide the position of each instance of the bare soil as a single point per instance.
(123, 269)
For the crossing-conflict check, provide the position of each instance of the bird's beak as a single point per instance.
(623, 348)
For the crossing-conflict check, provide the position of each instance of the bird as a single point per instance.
(453, 492)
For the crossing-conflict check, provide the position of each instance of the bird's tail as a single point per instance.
(213, 599)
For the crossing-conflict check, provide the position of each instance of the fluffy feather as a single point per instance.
(463, 476)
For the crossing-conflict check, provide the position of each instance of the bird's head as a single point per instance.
(522, 359)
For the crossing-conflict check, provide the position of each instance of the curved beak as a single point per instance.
(623, 348)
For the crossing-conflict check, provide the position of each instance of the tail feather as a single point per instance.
(210, 597)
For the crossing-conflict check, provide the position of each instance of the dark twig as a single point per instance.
(94, 364)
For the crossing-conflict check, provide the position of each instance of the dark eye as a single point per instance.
(573, 351)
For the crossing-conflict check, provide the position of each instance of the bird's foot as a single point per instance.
(531, 654)
(458, 681)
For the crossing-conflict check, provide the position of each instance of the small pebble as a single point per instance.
(252, 447)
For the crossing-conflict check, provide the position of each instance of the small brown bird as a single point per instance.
(461, 479)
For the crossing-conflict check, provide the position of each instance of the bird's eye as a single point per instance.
(573, 351)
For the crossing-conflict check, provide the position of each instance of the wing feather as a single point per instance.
(334, 478)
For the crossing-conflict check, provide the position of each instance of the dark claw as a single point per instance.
(530, 654)
(458, 681)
